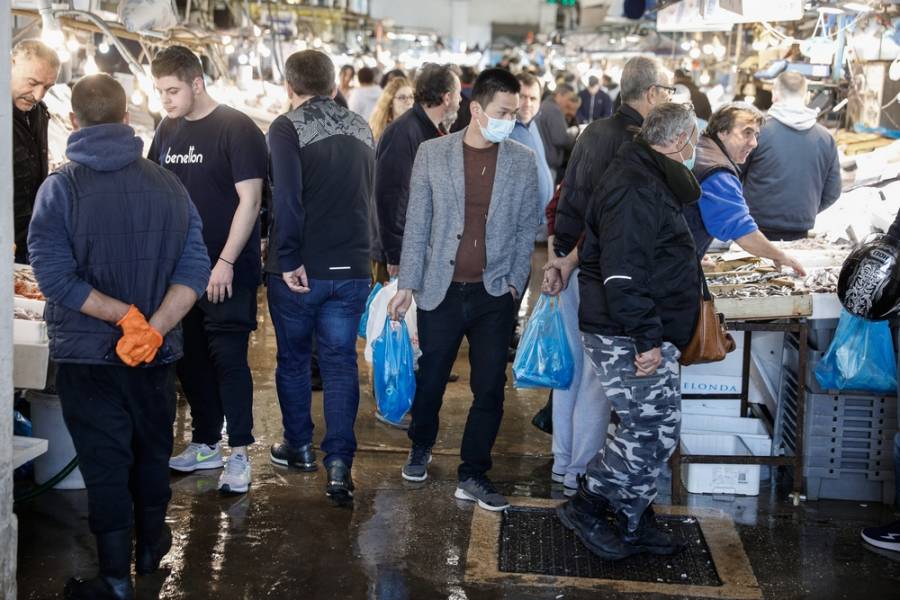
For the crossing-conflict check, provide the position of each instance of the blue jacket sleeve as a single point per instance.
(192, 269)
(287, 195)
(50, 246)
(723, 208)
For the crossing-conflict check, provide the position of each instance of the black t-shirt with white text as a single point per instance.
(209, 156)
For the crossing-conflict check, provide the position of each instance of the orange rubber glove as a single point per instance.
(140, 341)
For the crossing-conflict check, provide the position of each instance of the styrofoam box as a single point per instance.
(740, 480)
(29, 332)
(751, 431)
(712, 406)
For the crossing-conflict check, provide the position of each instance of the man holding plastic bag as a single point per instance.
(640, 297)
(473, 209)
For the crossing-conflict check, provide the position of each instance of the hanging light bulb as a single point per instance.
(264, 51)
(229, 49)
(63, 55)
(704, 78)
(226, 39)
(103, 47)
(694, 53)
(90, 66)
(257, 31)
(708, 48)
(72, 44)
(53, 37)
(719, 52)
(137, 97)
(686, 45)
(242, 59)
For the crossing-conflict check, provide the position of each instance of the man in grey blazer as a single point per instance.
(473, 209)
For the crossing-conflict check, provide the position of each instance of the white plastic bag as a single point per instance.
(377, 315)
(142, 15)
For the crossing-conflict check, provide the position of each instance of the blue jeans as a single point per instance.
(331, 310)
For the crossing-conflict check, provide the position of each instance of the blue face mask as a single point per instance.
(497, 130)
(689, 163)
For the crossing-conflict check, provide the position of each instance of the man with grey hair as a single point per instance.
(722, 213)
(35, 68)
(794, 173)
(644, 84)
(639, 285)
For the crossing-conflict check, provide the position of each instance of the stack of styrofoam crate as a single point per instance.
(848, 436)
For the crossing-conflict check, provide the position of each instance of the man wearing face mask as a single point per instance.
(722, 212)
(473, 210)
(639, 304)
(34, 70)
(437, 96)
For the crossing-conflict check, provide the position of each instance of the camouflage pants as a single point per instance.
(649, 410)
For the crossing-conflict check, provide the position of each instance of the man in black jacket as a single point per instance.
(322, 158)
(639, 284)
(645, 83)
(34, 70)
(437, 103)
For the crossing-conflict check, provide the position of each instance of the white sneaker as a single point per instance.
(197, 456)
(235, 479)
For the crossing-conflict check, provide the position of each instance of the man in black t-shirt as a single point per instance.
(219, 154)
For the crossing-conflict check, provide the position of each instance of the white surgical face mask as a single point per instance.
(497, 130)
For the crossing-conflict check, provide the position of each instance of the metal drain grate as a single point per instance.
(532, 540)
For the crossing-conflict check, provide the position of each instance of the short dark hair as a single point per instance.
(526, 79)
(310, 73)
(350, 67)
(366, 76)
(467, 74)
(432, 82)
(98, 99)
(492, 81)
(724, 119)
(592, 81)
(178, 61)
(564, 89)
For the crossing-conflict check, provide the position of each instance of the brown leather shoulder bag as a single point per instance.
(711, 342)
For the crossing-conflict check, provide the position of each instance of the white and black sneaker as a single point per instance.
(886, 537)
(416, 467)
(235, 479)
(481, 490)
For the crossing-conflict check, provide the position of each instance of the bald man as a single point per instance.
(35, 68)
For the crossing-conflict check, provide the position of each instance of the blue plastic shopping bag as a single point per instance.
(861, 357)
(364, 320)
(544, 359)
(395, 380)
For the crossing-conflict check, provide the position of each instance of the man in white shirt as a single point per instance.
(363, 99)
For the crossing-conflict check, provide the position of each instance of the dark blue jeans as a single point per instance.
(331, 310)
(485, 320)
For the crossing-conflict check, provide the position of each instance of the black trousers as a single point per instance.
(214, 371)
(485, 320)
(120, 420)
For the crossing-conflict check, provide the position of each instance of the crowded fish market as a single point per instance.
(447, 299)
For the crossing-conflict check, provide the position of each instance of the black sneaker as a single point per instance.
(340, 483)
(416, 467)
(886, 537)
(482, 491)
(648, 537)
(303, 458)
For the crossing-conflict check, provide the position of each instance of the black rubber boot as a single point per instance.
(648, 536)
(113, 582)
(154, 539)
(590, 517)
(543, 419)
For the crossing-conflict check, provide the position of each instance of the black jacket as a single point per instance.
(393, 167)
(29, 169)
(639, 276)
(594, 151)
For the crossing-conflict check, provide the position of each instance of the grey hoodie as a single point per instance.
(793, 174)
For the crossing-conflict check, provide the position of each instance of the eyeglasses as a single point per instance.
(404, 98)
(667, 88)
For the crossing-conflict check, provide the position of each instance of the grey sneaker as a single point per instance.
(416, 467)
(235, 479)
(196, 457)
(482, 491)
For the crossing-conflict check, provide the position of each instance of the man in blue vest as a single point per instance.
(117, 249)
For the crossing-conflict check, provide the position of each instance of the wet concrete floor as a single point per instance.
(403, 541)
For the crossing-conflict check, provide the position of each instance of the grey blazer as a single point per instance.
(434, 219)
